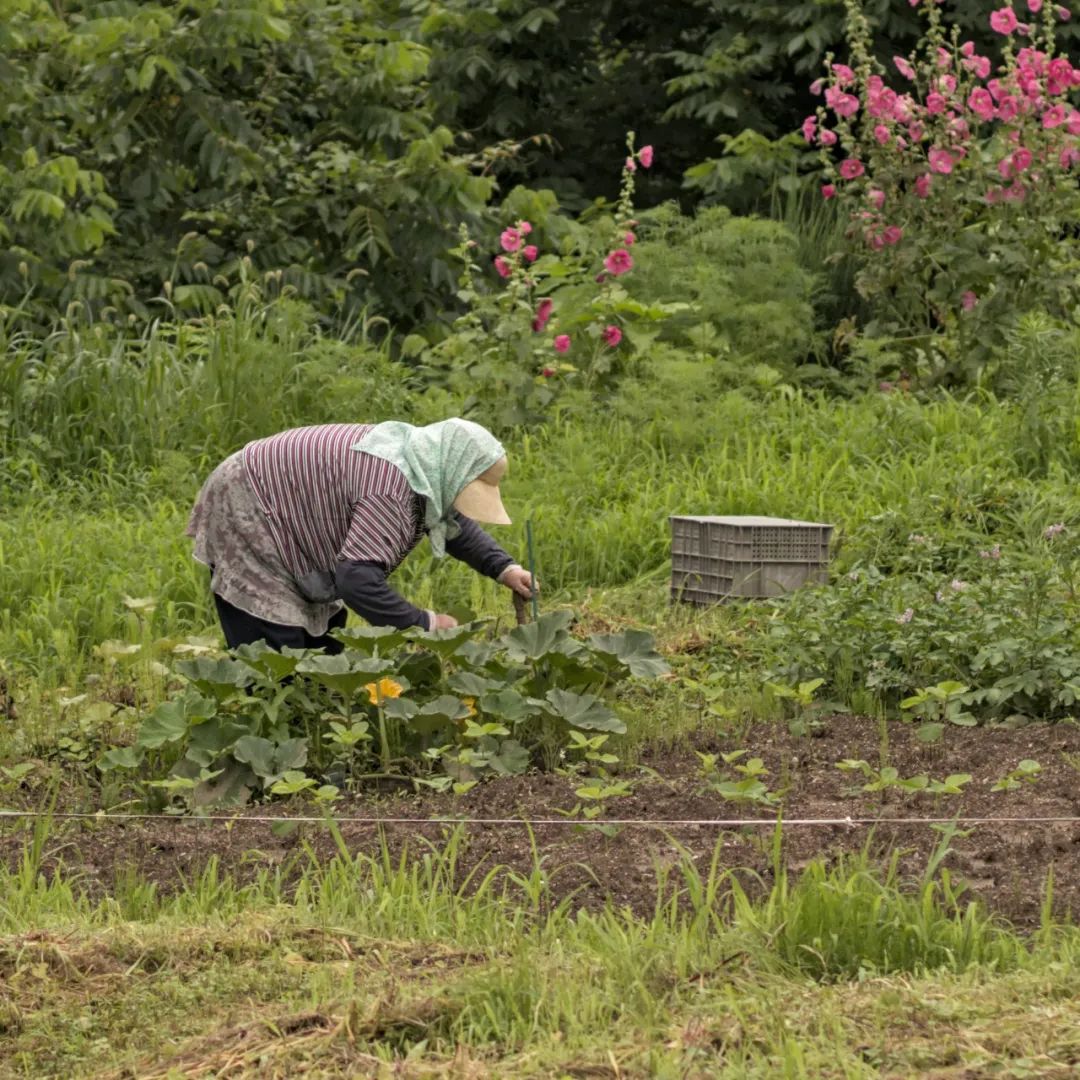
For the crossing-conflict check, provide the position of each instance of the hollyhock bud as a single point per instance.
(1063, 14)
(882, 134)
(968, 300)
(612, 335)
(502, 266)
(876, 198)
(904, 67)
(944, 58)
(547, 372)
(630, 165)
(562, 343)
(529, 252)
(1035, 6)
(967, 49)
(543, 313)
(827, 137)
(510, 240)
(645, 156)
(1073, 123)
(629, 239)
(922, 186)
(524, 228)
(809, 128)
(892, 235)
(816, 87)
(851, 168)
(828, 191)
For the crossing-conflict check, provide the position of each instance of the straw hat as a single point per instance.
(480, 498)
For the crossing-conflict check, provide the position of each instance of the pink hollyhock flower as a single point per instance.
(502, 266)
(524, 228)
(904, 67)
(510, 240)
(882, 134)
(809, 128)
(618, 262)
(547, 372)
(612, 335)
(844, 74)
(948, 83)
(543, 313)
(846, 105)
(1063, 14)
(1008, 108)
(922, 186)
(1035, 6)
(980, 65)
(1022, 159)
(562, 343)
(935, 103)
(1005, 168)
(1068, 157)
(828, 191)
(916, 131)
(851, 168)
(968, 300)
(1054, 117)
(876, 198)
(967, 49)
(827, 137)
(816, 87)
(529, 252)
(941, 161)
(629, 239)
(981, 104)
(944, 58)
(892, 235)
(630, 165)
(875, 240)
(645, 156)
(1004, 20)
(1072, 125)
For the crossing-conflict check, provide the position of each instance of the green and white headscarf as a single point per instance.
(438, 461)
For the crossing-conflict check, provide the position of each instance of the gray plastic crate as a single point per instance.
(717, 558)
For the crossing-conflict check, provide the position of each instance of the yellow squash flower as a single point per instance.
(382, 690)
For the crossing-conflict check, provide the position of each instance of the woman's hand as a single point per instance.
(444, 622)
(519, 579)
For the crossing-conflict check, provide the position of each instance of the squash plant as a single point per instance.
(442, 708)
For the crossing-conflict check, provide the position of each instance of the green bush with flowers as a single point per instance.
(545, 319)
(961, 183)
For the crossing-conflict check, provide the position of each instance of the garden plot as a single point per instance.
(835, 774)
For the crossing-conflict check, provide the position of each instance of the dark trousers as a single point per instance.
(244, 629)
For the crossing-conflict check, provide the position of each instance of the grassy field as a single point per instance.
(361, 965)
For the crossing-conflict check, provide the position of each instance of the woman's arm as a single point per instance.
(363, 586)
(477, 549)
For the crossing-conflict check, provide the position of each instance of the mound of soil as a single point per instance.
(1004, 862)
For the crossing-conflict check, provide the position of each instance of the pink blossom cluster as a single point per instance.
(955, 108)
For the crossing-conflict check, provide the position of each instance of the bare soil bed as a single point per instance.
(1004, 863)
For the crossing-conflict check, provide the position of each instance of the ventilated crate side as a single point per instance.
(716, 558)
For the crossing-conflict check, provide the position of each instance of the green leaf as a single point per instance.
(274, 663)
(535, 640)
(221, 677)
(256, 752)
(511, 759)
(369, 639)
(444, 643)
(508, 705)
(634, 649)
(120, 757)
(584, 711)
(170, 721)
(344, 673)
(469, 684)
(444, 710)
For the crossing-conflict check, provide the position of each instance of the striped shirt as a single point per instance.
(325, 502)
